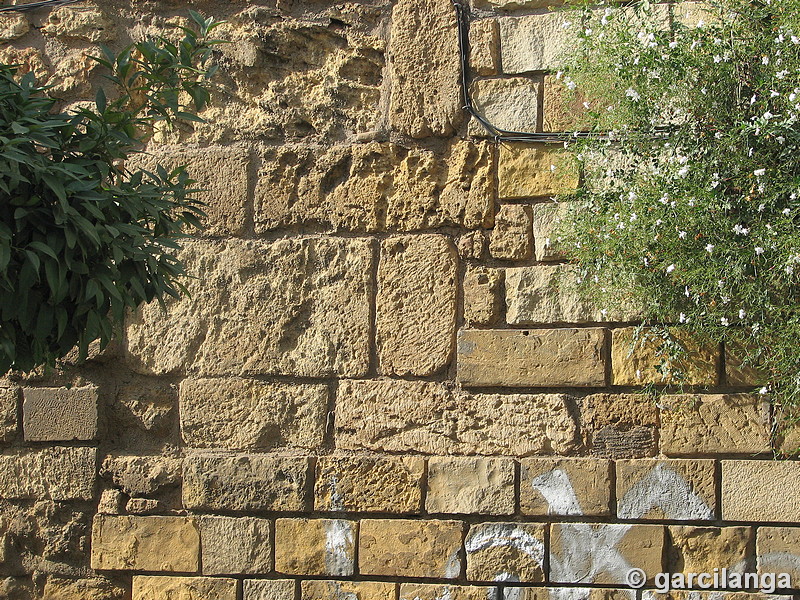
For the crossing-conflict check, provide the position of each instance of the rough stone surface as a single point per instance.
(582, 553)
(315, 546)
(532, 358)
(396, 547)
(510, 103)
(565, 486)
(221, 172)
(749, 491)
(59, 588)
(183, 588)
(369, 483)
(563, 109)
(144, 506)
(268, 589)
(433, 591)
(248, 414)
(469, 485)
(416, 304)
(633, 360)
(512, 236)
(484, 47)
(739, 368)
(530, 170)
(506, 552)
(91, 25)
(545, 222)
(346, 590)
(534, 42)
(9, 399)
(142, 475)
(376, 187)
(145, 543)
(59, 414)
(426, 95)
(482, 287)
(13, 26)
(778, 551)
(678, 490)
(715, 424)
(245, 482)
(398, 416)
(291, 307)
(50, 473)
(235, 545)
(620, 425)
(703, 549)
(575, 593)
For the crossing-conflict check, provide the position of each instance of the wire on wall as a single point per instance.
(34, 5)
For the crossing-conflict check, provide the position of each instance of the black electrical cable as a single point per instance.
(35, 5)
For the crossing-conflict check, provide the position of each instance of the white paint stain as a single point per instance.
(453, 567)
(499, 535)
(337, 500)
(338, 542)
(664, 489)
(557, 490)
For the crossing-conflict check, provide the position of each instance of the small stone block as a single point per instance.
(59, 414)
(470, 485)
(565, 486)
(315, 546)
(506, 552)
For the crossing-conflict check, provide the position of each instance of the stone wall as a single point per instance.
(382, 386)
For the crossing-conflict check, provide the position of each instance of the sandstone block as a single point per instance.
(59, 414)
(142, 475)
(60, 588)
(58, 474)
(482, 287)
(565, 486)
(695, 14)
(432, 591)
(91, 25)
(778, 551)
(575, 593)
(416, 304)
(245, 482)
(369, 483)
(547, 294)
(535, 42)
(426, 417)
(13, 26)
(144, 506)
(619, 425)
(145, 543)
(703, 549)
(315, 546)
(346, 590)
(426, 94)
(546, 218)
(9, 398)
(532, 358)
(527, 170)
(484, 46)
(470, 485)
(603, 554)
(397, 547)
(749, 491)
(183, 588)
(564, 109)
(633, 357)
(715, 424)
(512, 236)
(739, 367)
(511, 104)
(246, 414)
(678, 490)
(288, 307)
(268, 589)
(235, 545)
(376, 187)
(472, 245)
(505, 552)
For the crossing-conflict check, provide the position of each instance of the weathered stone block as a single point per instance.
(91, 25)
(470, 485)
(546, 216)
(512, 236)
(245, 482)
(247, 414)
(235, 545)
(575, 593)
(59, 588)
(433, 591)
(619, 425)
(703, 549)
(778, 551)
(426, 95)
(142, 475)
(268, 589)
(482, 287)
(739, 368)
(535, 42)
(416, 304)
(58, 474)
(582, 553)
(144, 506)
(528, 170)
(398, 547)
(532, 358)
(511, 104)
(678, 490)
(9, 399)
(145, 543)
(315, 546)
(183, 588)
(59, 414)
(484, 46)
(346, 590)
(418, 416)
(506, 552)
(715, 424)
(13, 26)
(565, 486)
(287, 307)
(695, 14)
(563, 109)
(369, 483)
(749, 491)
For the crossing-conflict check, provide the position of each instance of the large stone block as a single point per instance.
(235, 545)
(532, 358)
(573, 593)
(470, 485)
(61, 588)
(142, 475)
(268, 589)
(346, 590)
(530, 170)
(703, 549)
(564, 109)
(620, 425)
(183, 588)
(246, 482)
(416, 304)
(749, 491)
(778, 551)
(418, 416)
(287, 307)
(482, 287)
(58, 474)
(484, 46)
(376, 187)
(512, 236)
(678, 490)
(59, 414)
(246, 414)
(715, 424)
(405, 548)
(9, 400)
(90, 24)
(369, 483)
(315, 547)
(506, 552)
(535, 42)
(565, 486)
(145, 543)
(434, 591)
(511, 103)
(546, 218)
(425, 73)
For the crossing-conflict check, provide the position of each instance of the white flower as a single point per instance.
(759, 172)
(709, 248)
(724, 321)
(739, 230)
(632, 94)
(673, 45)
(765, 60)
(670, 268)
(763, 390)
(686, 291)
(742, 313)
(759, 251)
(552, 168)
(682, 234)
(683, 171)
(682, 318)
(787, 211)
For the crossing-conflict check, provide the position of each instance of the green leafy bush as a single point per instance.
(81, 238)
